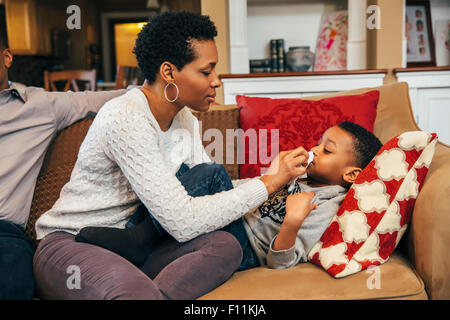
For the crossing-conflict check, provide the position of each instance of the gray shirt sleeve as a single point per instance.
(70, 107)
(310, 232)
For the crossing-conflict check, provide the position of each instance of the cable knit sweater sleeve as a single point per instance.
(131, 140)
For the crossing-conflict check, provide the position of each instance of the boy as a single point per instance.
(281, 231)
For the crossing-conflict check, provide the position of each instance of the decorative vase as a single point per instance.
(299, 59)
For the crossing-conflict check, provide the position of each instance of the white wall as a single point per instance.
(295, 22)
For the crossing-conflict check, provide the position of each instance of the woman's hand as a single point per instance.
(285, 167)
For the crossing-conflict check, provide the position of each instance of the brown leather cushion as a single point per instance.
(398, 280)
(56, 170)
(222, 118)
(46, 193)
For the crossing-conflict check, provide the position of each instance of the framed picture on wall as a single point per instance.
(419, 34)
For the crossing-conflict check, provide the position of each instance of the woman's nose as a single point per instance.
(216, 82)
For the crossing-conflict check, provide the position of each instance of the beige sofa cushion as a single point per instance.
(398, 280)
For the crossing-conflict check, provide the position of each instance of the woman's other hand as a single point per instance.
(286, 166)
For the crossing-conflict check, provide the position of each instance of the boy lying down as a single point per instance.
(280, 232)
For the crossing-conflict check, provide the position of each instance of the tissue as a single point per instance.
(310, 159)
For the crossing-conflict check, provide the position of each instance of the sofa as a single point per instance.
(418, 268)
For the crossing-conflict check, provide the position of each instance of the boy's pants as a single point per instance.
(208, 179)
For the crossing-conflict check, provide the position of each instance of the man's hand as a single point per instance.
(298, 206)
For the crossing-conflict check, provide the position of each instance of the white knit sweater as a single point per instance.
(125, 158)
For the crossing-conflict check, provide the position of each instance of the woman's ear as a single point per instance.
(167, 70)
(351, 173)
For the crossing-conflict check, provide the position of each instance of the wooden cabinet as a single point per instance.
(298, 84)
(429, 90)
(25, 28)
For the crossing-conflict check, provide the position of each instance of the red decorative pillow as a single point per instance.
(299, 123)
(377, 208)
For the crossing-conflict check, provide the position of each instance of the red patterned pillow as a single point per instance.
(377, 208)
(300, 123)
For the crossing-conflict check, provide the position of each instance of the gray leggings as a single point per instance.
(65, 269)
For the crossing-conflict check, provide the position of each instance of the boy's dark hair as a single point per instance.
(167, 37)
(366, 144)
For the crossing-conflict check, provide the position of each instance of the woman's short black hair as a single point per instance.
(366, 144)
(167, 37)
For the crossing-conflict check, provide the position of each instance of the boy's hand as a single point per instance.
(298, 206)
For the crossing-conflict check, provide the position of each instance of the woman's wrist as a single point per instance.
(267, 180)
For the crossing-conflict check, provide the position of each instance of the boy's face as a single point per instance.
(334, 158)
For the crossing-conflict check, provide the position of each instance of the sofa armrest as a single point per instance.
(429, 233)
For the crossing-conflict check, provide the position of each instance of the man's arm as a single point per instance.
(71, 106)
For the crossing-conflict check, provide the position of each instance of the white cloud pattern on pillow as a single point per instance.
(413, 140)
(354, 226)
(391, 164)
(391, 219)
(333, 255)
(369, 250)
(372, 196)
(352, 267)
(409, 188)
(426, 156)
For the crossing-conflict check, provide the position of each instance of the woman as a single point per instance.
(132, 154)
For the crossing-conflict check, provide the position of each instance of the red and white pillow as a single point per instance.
(299, 123)
(377, 208)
